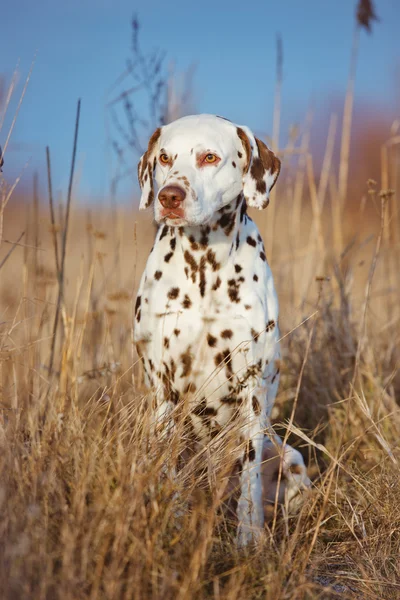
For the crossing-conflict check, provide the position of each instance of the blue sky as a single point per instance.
(81, 47)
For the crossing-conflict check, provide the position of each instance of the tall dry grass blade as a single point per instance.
(337, 220)
(347, 119)
(316, 230)
(18, 107)
(61, 275)
(69, 196)
(4, 199)
(4, 105)
(298, 191)
(276, 122)
(271, 217)
(55, 245)
(52, 213)
(363, 328)
(15, 244)
(35, 228)
(327, 162)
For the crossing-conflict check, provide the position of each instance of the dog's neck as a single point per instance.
(221, 233)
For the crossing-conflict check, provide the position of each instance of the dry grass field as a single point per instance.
(85, 512)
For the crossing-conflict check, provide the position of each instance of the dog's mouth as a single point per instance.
(172, 214)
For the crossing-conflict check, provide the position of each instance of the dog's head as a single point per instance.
(201, 163)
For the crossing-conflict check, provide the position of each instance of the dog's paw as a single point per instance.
(294, 481)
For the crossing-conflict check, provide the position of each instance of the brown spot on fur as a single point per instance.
(275, 376)
(164, 232)
(203, 409)
(137, 308)
(233, 164)
(269, 162)
(246, 145)
(227, 222)
(168, 256)
(227, 334)
(177, 332)
(238, 268)
(204, 412)
(204, 236)
(251, 241)
(190, 388)
(263, 257)
(145, 162)
(168, 376)
(254, 334)
(194, 267)
(250, 453)
(187, 303)
(211, 259)
(270, 326)
(174, 397)
(158, 275)
(257, 172)
(166, 342)
(243, 209)
(173, 293)
(233, 291)
(217, 283)
(193, 244)
(187, 361)
(296, 469)
(237, 240)
(202, 271)
(255, 277)
(215, 430)
(256, 405)
(211, 340)
(230, 399)
(172, 243)
(224, 357)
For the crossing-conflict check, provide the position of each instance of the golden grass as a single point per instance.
(87, 511)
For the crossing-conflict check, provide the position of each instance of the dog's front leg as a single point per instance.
(250, 506)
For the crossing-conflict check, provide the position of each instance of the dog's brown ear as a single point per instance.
(146, 168)
(261, 169)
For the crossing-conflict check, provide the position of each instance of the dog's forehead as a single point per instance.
(207, 131)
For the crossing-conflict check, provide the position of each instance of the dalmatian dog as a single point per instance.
(206, 313)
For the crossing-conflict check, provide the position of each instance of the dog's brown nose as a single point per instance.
(171, 196)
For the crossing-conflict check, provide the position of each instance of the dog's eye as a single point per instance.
(210, 158)
(164, 159)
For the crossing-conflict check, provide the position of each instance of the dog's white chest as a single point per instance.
(206, 317)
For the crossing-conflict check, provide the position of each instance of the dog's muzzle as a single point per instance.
(171, 198)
